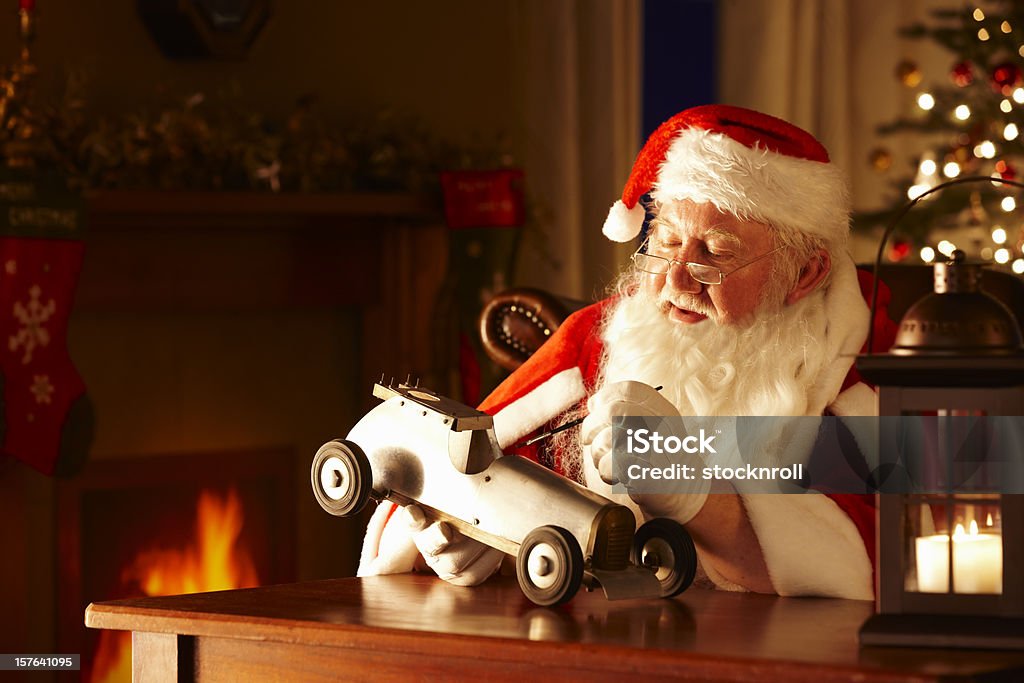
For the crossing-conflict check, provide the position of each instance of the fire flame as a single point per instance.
(211, 563)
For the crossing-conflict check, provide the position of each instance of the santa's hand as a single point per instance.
(454, 557)
(619, 399)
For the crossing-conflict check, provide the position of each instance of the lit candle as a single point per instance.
(977, 562)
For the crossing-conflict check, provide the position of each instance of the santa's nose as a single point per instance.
(680, 280)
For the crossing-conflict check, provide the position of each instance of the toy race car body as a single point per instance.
(418, 447)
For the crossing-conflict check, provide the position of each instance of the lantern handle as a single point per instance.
(895, 221)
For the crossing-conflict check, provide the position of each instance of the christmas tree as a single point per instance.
(971, 121)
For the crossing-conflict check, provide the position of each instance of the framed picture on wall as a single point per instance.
(204, 29)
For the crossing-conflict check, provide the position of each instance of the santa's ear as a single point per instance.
(811, 275)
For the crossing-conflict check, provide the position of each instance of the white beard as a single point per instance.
(767, 367)
(774, 366)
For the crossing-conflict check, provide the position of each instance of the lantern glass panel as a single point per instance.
(953, 450)
(958, 532)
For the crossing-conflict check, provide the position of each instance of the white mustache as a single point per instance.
(688, 303)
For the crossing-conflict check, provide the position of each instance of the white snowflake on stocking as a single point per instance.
(32, 315)
(41, 388)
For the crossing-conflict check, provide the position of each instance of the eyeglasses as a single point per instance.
(702, 273)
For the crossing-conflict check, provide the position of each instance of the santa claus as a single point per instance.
(742, 300)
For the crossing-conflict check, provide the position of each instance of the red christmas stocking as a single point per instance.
(46, 419)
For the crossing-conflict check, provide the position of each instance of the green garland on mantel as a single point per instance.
(213, 143)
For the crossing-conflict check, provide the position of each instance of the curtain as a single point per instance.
(580, 101)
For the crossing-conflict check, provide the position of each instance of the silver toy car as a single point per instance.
(422, 448)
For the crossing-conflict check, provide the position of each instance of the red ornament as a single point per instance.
(899, 250)
(1005, 170)
(1005, 76)
(962, 74)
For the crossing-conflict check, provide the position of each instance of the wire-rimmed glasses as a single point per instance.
(701, 272)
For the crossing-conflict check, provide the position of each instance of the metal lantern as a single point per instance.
(950, 566)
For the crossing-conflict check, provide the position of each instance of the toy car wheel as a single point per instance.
(549, 566)
(665, 547)
(341, 477)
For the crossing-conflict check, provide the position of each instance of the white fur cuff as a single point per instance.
(810, 546)
(388, 546)
(533, 409)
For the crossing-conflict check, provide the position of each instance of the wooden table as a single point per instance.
(415, 627)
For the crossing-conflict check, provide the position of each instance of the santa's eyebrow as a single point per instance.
(723, 235)
(659, 227)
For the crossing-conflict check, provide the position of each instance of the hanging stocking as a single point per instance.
(484, 211)
(45, 417)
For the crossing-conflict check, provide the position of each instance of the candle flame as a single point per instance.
(988, 522)
(960, 532)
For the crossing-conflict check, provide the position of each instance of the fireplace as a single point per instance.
(164, 525)
(222, 338)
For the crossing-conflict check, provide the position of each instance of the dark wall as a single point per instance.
(448, 62)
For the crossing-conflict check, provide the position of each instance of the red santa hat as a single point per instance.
(754, 166)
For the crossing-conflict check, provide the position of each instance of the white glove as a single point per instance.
(454, 557)
(620, 399)
(387, 545)
(636, 399)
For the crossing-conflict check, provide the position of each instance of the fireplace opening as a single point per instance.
(164, 526)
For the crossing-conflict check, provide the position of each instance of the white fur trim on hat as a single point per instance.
(756, 184)
(623, 223)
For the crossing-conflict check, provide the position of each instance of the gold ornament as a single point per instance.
(909, 73)
(881, 159)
